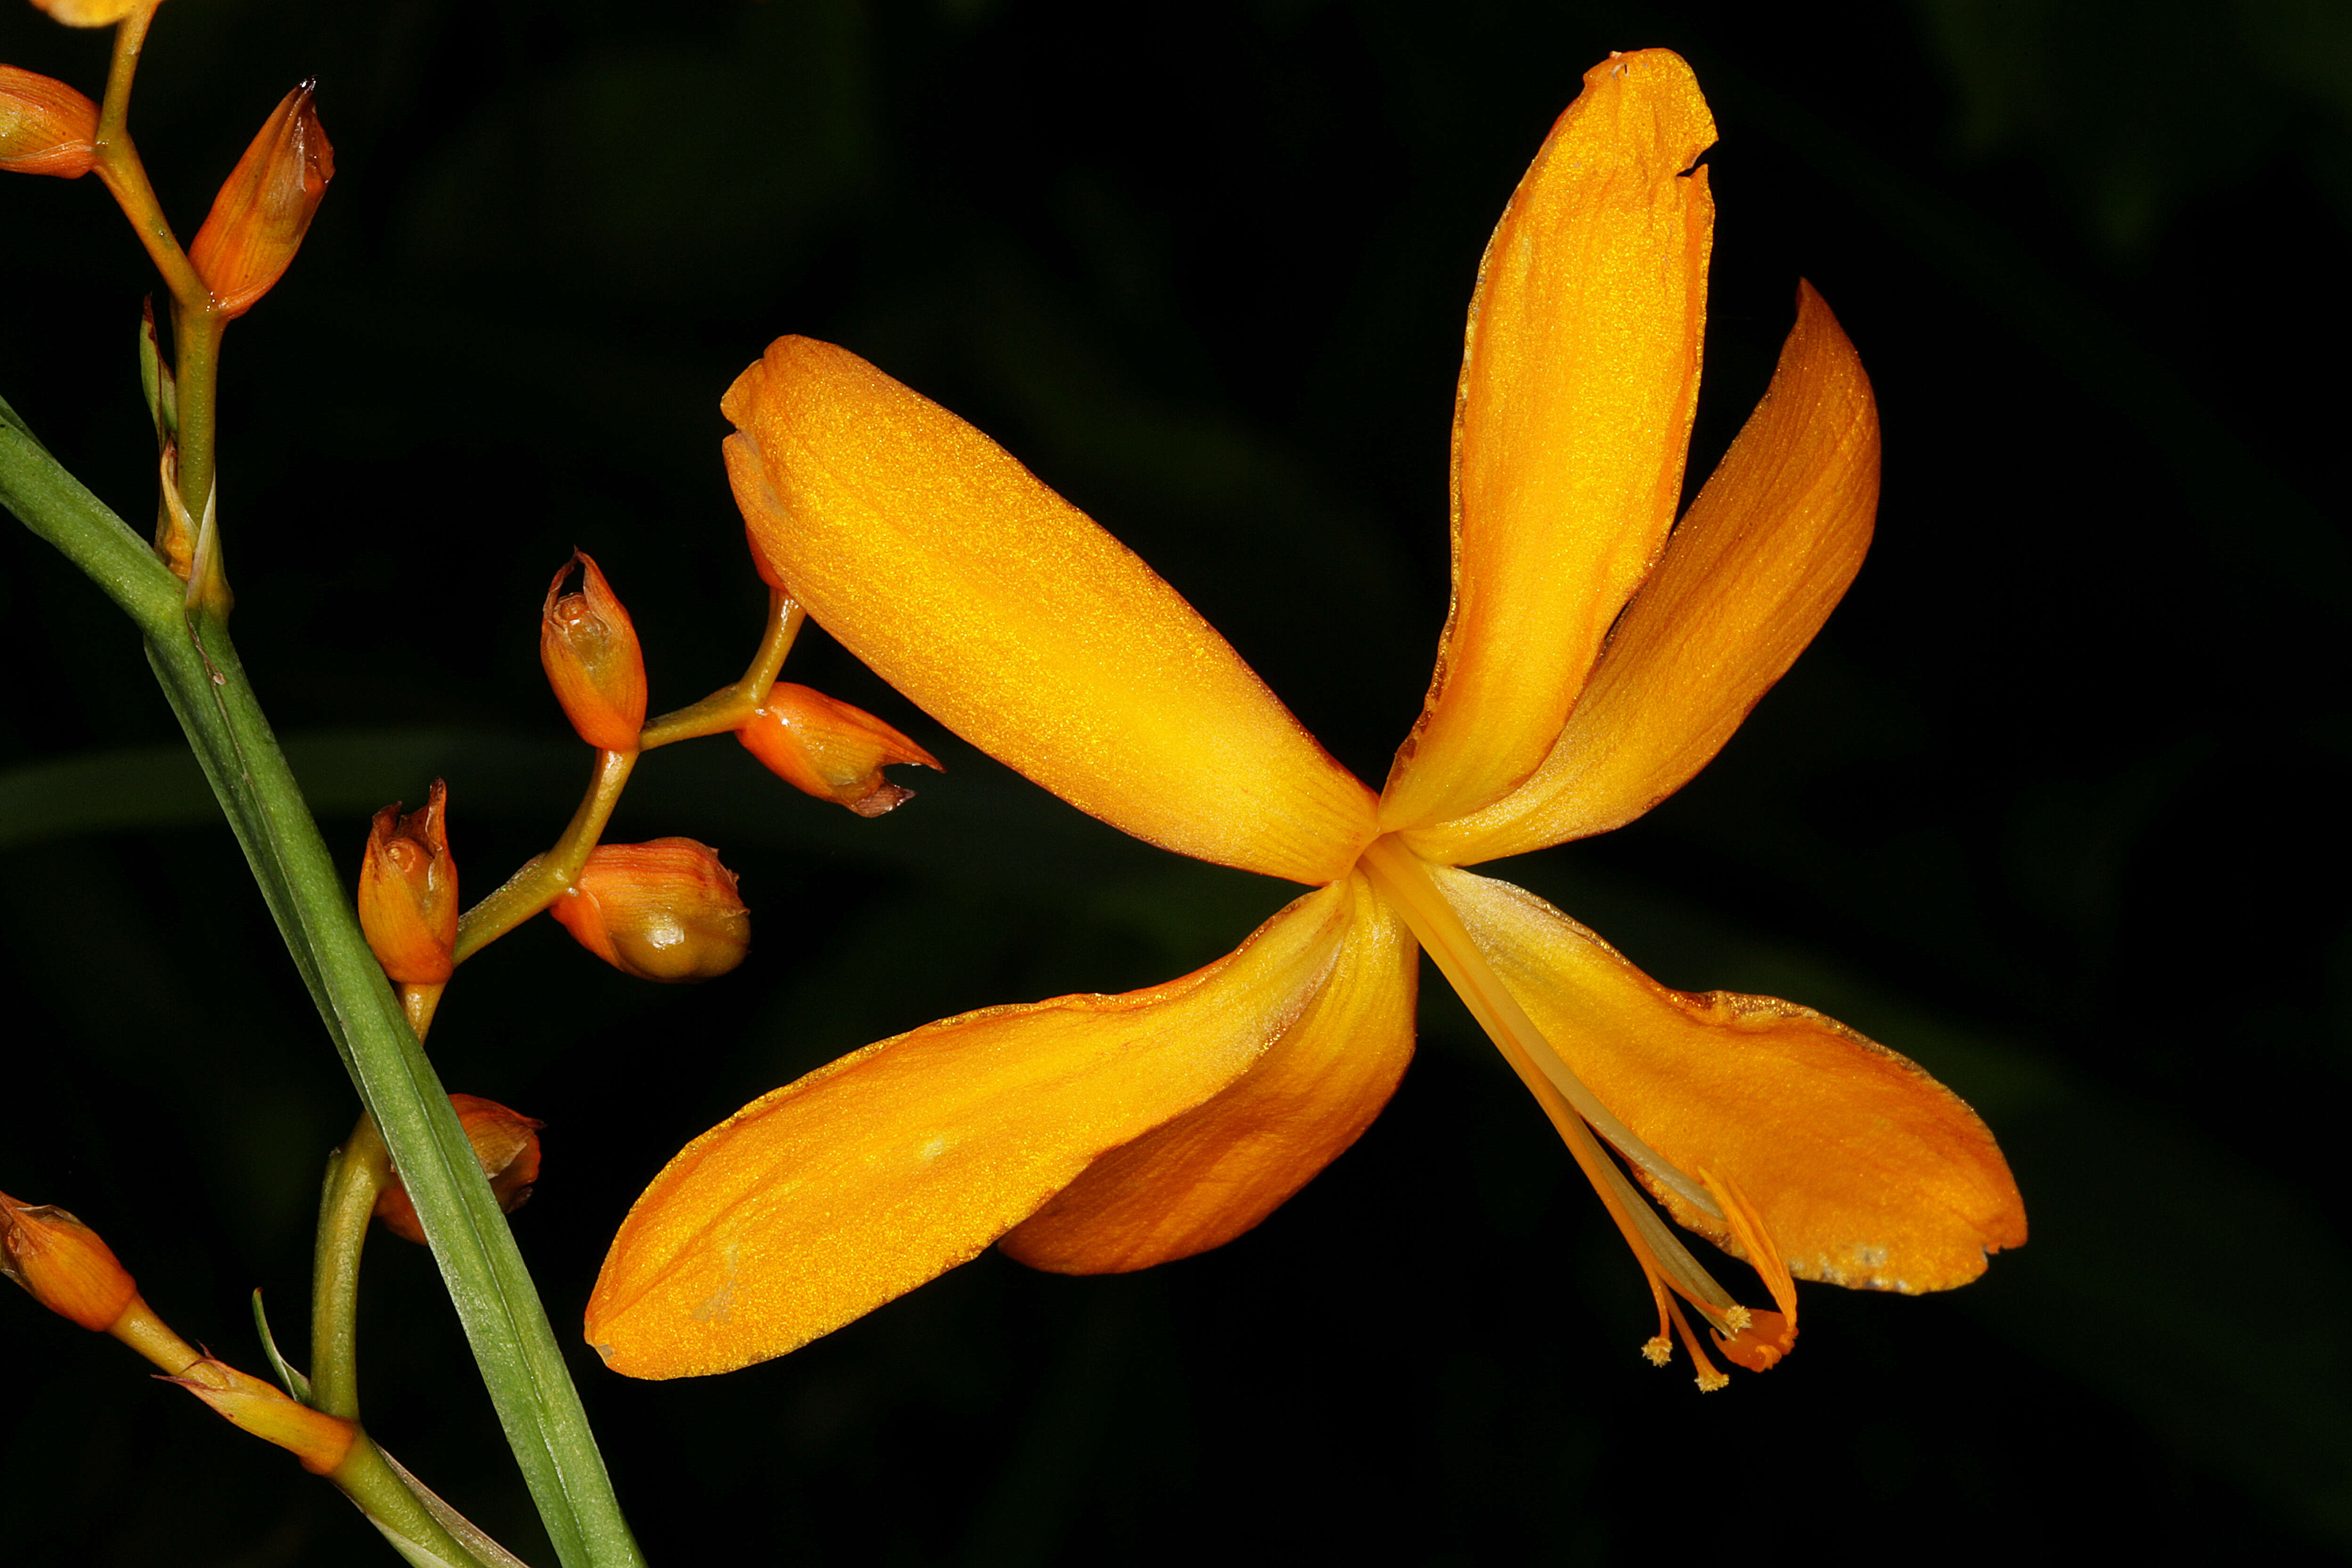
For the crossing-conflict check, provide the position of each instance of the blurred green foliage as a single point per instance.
(2052, 806)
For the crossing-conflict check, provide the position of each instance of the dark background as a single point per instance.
(2051, 805)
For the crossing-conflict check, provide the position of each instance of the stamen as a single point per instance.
(1751, 1339)
(1403, 876)
(1770, 1335)
(1709, 1378)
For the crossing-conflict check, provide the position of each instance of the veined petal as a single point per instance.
(818, 1202)
(1580, 370)
(1865, 1171)
(1758, 563)
(1202, 1179)
(1015, 621)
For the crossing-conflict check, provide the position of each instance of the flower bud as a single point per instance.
(408, 893)
(505, 1142)
(318, 1440)
(588, 646)
(662, 910)
(830, 750)
(45, 127)
(258, 219)
(87, 13)
(64, 1264)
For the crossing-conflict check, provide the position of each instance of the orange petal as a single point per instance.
(1212, 1174)
(1015, 621)
(1864, 1171)
(1760, 560)
(820, 1202)
(1572, 426)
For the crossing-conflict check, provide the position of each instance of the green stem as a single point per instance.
(726, 710)
(506, 1327)
(119, 166)
(358, 1174)
(542, 879)
(197, 340)
(367, 1478)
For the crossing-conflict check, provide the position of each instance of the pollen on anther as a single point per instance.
(1658, 1350)
(1709, 1380)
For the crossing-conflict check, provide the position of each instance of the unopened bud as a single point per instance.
(318, 1440)
(408, 893)
(263, 211)
(588, 646)
(64, 1264)
(662, 910)
(830, 749)
(505, 1142)
(45, 127)
(87, 13)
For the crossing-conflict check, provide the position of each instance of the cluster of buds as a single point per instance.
(506, 1143)
(588, 647)
(45, 127)
(408, 893)
(664, 910)
(266, 205)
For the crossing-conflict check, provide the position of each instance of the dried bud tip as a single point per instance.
(45, 127)
(588, 646)
(830, 750)
(408, 893)
(64, 1264)
(506, 1143)
(264, 207)
(660, 911)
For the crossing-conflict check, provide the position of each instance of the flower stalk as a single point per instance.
(197, 667)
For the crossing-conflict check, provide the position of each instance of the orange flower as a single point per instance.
(265, 206)
(505, 1142)
(588, 646)
(45, 127)
(408, 893)
(64, 1264)
(664, 910)
(830, 750)
(1597, 655)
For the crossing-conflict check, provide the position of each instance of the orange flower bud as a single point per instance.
(318, 1440)
(662, 910)
(505, 1142)
(64, 1264)
(408, 893)
(589, 648)
(830, 750)
(263, 211)
(45, 127)
(87, 13)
